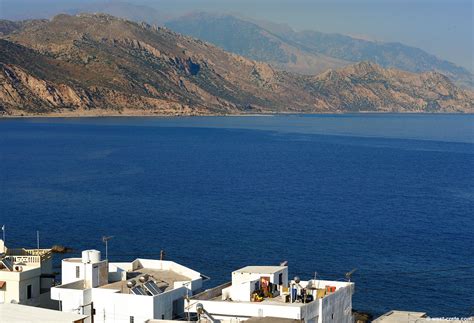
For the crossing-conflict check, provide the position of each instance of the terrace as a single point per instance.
(216, 293)
(22, 255)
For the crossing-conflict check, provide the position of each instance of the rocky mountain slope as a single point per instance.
(252, 41)
(99, 64)
(309, 52)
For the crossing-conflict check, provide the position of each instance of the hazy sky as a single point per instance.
(442, 27)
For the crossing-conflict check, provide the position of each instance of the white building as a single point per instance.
(124, 292)
(26, 276)
(16, 313)
(417, 317)
(264, 291)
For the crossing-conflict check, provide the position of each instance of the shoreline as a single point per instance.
(262, 114)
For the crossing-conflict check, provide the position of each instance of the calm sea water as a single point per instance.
(390, 195)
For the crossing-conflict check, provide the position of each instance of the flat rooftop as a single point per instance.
(215, 294)
(275, 301)
(79, 284)
(75, 260)
(165, 279)
(267, 319)
(400, 316)
(24, 266)
(17, 313)
(260, 269)
(270, 320)
(420, 317)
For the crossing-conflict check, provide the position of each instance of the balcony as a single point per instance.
(18, 255)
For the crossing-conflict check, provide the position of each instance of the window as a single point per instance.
(280, 279)
(28, 292)
(78, 271)
(132, 319)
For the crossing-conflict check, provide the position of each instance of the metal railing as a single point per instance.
(24, 259)
(29, 255)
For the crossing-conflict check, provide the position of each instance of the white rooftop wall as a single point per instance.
(118, 307)
(68, 270)
(72, 298)
(73, 269)
(337, 306)
(169, 265)
(224, 310)
(16, 285)
(240, 276)
(239, 292)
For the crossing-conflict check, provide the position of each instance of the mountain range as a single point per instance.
(99, 64)
(306, 52)
(309, 52)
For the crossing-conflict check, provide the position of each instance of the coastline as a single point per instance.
(261, 114)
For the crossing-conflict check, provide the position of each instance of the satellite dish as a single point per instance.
(297, 279)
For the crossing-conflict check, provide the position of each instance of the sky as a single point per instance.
(441, 27)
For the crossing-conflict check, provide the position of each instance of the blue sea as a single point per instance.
(390, 195)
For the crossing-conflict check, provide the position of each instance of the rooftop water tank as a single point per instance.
(91, 256)
(144, 278)
(131, 283)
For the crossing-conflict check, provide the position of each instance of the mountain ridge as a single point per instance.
(314, 51)
(340, 50)
(250, 40)
(100, 64)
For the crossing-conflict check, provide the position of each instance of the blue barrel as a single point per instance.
(293, 294)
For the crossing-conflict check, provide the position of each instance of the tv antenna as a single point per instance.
(105, 240)
(349, 274)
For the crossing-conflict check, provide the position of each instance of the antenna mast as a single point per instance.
(105, 240)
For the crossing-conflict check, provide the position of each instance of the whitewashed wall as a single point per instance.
(68, 271)
(224, 310)
(239, 277)
(16, 286)
(71, 299)
(337, 307)
(117, 307)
